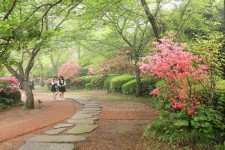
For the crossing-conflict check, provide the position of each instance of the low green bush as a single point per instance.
(6, 101)
(80, 82)
(2, 106)
(220, 146)
(98, 82)
(147, 85)
(129, 88)
(205, 129)
(107, 81)
(118, 81)
(89, 86)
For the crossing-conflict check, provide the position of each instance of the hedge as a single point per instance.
(107, 81)
(118, 81)
(80, 82)
(98, 82)
(89, 86)
(147, 85)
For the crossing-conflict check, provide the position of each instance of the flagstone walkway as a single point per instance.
(63, 135)
(96, 123)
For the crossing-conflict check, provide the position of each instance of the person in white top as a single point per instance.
(54, 88)
(62, 88)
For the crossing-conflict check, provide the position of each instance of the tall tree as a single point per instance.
(26, 35)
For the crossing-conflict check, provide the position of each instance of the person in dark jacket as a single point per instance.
(62, 87)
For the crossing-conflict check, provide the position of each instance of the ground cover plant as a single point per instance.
(192, 111)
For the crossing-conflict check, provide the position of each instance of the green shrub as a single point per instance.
(2, 106)
(80, 82)
(147, 85)
(221, 84)
(108, 81)
(89, 86)
(205, 129)
(98, 82)
(118, 81)
(6, 101)
(129, 88)
(221, 146)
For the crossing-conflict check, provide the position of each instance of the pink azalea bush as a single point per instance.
(181, 71)
(68, 69)
(8, 84)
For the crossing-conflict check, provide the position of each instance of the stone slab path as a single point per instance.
(63, 135)
(47, 146)
(82, 129)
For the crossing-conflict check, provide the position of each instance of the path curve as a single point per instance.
(40, 118)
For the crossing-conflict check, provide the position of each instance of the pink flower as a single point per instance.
(190, 110)
(69, 69)
(181, 70)
(155, 91)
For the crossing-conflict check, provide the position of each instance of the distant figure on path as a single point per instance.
(31, 82)
(54, 87)
(62, 88)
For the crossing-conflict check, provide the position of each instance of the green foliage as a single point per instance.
(108, 81)
(205, 129)
(118, 81)
(210, 123)
(220, 101)
(169, 130)
(80, 82)
(221, 84)
(221, 146)
(147, 85)
(129, 88)
(2, 106)
(6, 101)
(98, 82)
(89, 86)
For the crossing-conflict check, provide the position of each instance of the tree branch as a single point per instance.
(151, 19)
(10, 10)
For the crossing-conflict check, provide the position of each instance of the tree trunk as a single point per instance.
(137, 76)
(151, 19)
(42, 80)
(29, 95)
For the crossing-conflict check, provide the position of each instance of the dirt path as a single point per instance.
(120, 124)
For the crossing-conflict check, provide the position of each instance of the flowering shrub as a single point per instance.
(8, 84)
(68, 69)
(118, 64)
(8, 93)
(181, 71)
(192, 108)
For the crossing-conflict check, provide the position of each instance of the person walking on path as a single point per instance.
(62, 88)
(54, 87)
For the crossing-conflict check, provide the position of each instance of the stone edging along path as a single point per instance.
(62, 135)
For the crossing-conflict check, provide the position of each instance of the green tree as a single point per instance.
(25, 34)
